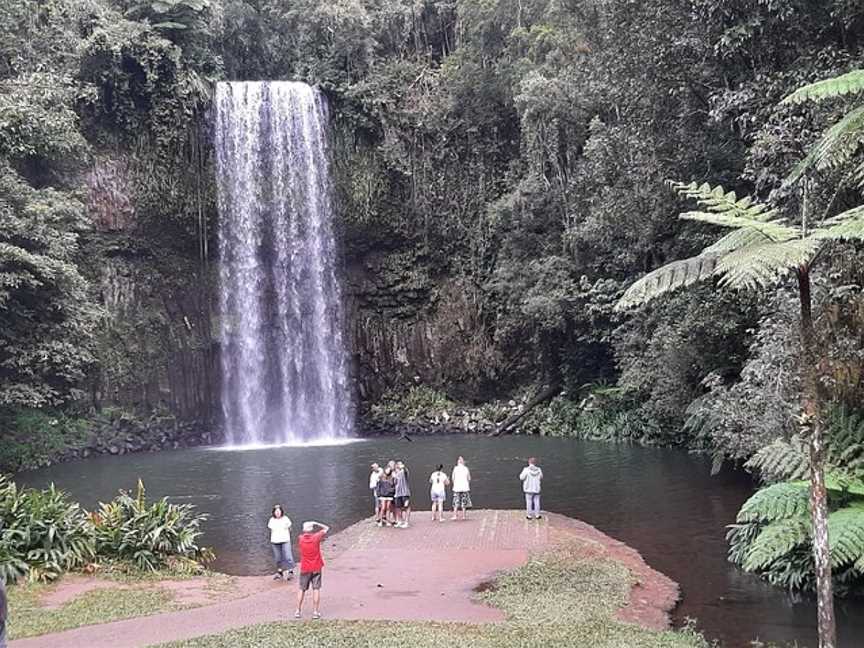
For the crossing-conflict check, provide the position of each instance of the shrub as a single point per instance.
(605, 414)
(42, 533)
(418, 403)
(148, 535)
(34, 438)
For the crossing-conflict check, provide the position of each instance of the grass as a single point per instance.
(27, 618)
(135, 594)
(554, 600)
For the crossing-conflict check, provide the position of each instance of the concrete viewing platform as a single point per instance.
(428, 572)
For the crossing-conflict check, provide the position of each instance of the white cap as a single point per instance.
(308, 526)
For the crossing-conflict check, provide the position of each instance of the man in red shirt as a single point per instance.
(311, 564)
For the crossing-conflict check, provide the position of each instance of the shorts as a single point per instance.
(310, 578)
(403, 502)
(462, 499)
(385, 499)
(438, 497)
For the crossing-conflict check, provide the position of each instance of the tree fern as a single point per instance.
(836, 147)
(775, 541)
(757, 266)
(781, 460)
(672, 276)
(845, 84)
(718, 201)
(776, 502)
(846, 535)
(848, 226)
(737, 239)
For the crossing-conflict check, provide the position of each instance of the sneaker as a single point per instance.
(316, 615)
(380, 523)
(297, 614)
(277, 576)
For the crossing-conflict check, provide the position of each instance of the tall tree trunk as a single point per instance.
(811, 424)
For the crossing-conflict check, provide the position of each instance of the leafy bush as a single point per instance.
(606, 414)
(417, 403)
(42, 533)
(34, 438)
(150, 536)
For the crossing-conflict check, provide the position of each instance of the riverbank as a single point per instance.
(563, 576)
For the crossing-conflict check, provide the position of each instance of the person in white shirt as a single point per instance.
(461, 480)
(374, 476)
(280, 541)
(531, 477)
(438, 492)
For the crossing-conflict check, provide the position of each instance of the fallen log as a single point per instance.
(546, 394)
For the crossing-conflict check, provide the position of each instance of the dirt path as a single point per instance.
(426, 572)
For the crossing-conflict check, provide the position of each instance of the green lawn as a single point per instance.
(556, 600)
(28, 618)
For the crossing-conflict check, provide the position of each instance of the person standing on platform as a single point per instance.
(280, 542)
(311, 565)
(461, 480)
(531, 477)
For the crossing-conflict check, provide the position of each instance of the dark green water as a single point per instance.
(664, 503)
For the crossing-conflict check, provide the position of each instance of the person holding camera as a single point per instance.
(311, 565)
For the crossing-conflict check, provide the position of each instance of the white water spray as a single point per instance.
(284, 363)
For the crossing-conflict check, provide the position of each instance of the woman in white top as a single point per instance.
(280, 541)
(438, 492)
(461, 480)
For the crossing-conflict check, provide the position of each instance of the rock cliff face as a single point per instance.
(159, 344)
(390, 298)
(156, 346)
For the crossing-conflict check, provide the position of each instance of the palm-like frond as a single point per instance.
(846, 534)
(836, 147)
(719, 201)
(776, 502)
(775, 541)
(668, 278)
(845, 84)
(758, 266)
(848, 226)
(781, 459)
(737, 239)
(775, 230)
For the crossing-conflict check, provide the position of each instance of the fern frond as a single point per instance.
(737, 239)
(758, 266)
(781, 460)
(846, 535)
(718, 201)
(845, 84)
(836, 147)
(776, 502)
(775, 541)
(845, 441)
(668, 278)
(847, 226)
(774, 230)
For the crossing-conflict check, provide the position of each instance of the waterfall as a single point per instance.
(284, 362)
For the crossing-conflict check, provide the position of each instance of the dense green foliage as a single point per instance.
(500, 169)
(150, 535)
(772, 531)
(44, 534)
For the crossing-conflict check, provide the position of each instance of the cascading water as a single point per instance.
(284, 363)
